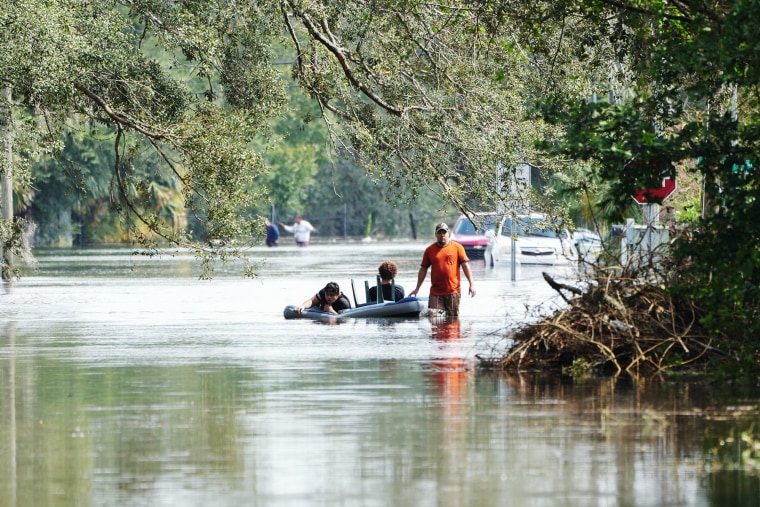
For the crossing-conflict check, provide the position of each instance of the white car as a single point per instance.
(588, 244)
(538, 242)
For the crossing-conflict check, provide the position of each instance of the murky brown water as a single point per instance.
(126, 381)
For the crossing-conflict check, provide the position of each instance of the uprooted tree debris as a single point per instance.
(614, 324)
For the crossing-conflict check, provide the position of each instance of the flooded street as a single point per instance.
(126, 381)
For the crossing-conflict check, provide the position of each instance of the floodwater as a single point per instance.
(127, 381)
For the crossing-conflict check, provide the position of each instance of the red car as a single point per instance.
(472, 236)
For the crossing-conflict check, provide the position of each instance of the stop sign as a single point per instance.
(644, 195)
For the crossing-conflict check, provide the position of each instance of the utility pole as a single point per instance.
(6, 183)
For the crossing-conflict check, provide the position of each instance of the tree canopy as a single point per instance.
(423, 96)
(427, 93)
(191, 83)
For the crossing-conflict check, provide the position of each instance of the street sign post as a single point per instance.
(644, 195)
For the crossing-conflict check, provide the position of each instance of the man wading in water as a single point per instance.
(445, 258)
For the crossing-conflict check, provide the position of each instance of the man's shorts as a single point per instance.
(449, 304)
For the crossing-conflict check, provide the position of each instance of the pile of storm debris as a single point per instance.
(611, 324)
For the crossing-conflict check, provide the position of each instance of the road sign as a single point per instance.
(516, 179)
(644, 195)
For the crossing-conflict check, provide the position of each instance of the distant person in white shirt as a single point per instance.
(301, 230)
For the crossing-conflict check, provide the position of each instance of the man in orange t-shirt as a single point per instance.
(445, 257)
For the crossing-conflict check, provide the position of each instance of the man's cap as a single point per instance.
(332, 288)
(441, 227)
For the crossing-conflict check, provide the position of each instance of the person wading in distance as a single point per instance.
(301, 230)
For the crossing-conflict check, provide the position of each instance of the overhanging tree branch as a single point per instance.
(342, 58)
(122, 119)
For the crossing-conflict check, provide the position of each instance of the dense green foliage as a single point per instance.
(168, 122)
(78, 66)
(693, 83)
(427, 94)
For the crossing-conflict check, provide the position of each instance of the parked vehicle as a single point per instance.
(473, 238)
(538, 242)
(588, 244)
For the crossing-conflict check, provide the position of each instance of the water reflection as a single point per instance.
(450, 373)
(163, 390)
(8, 409)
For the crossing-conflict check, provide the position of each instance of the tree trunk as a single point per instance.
(6, 183)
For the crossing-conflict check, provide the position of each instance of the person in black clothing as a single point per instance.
(330, 299)
(388, 271)
(273, 234)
